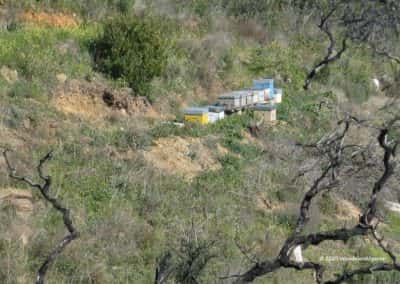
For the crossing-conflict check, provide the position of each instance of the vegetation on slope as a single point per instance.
(129, 213)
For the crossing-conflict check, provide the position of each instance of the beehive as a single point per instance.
(265, 85)
(196, 115)
(213, 117)
(259, 95)
(234, 100)
(230, 101)
(249, 99)
(245, 97)
(218, 110)
(270, 115)
(215, 113)
(278, 96)
(268, 111)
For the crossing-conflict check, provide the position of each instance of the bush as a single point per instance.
(133, 50)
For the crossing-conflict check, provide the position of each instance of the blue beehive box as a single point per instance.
(263, 84)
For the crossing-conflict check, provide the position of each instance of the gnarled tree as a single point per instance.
(44, 188)
(338, 164)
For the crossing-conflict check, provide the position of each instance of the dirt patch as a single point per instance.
(185, 157)
(95, 101)
(347, 210)
(250, 139)
(59, 20)
(21, 201)
(367, 109)
(18, 198)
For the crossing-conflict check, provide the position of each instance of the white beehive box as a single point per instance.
(213, 117)
(278, 96)
(216, 113)
(258, 96)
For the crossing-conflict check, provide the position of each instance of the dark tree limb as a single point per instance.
(330, 56)
(44, 189)
(381, 242)
(333, 147)
(163, 269)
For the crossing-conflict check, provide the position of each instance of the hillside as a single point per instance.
(216, 198)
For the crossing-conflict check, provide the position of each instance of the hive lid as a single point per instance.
(231, 95)
(265, 107)
(196, 110)
(263, 81)
(216, 108)
(243, 92)
(263, 84)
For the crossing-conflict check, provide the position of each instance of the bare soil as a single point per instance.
(183, 156)
(59, 20)
(96, 101)
(21, 201)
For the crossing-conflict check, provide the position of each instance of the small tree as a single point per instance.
(132, 49)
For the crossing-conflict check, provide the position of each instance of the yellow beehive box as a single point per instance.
(196, 115)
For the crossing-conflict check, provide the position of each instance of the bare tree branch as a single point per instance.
(330, 55)
(386, 54)
(44, 189)
(163, 269)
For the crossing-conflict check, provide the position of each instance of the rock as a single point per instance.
(297, 255)
(11, 76)
(26, 123)
(62, 78)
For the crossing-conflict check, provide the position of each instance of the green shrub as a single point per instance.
(133, 50)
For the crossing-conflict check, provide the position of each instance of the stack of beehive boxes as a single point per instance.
(262, 97)
(272, 97)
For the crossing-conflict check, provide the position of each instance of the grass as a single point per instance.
(130, 213)
(40, 53)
